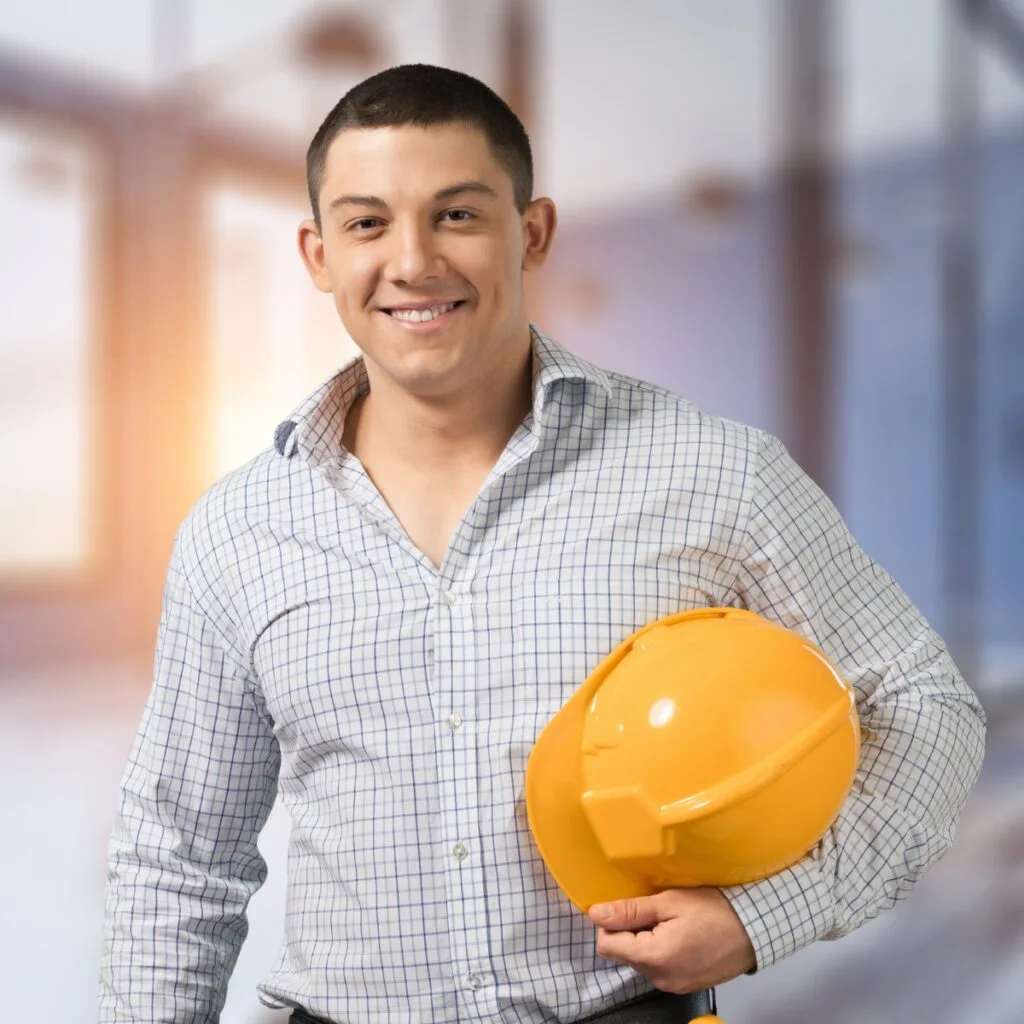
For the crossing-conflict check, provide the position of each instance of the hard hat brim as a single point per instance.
(560, 828)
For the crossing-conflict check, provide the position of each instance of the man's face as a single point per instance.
(423, 249)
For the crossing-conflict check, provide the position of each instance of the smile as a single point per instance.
(421, 316)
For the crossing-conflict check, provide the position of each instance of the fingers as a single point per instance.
(629, 948)
(648, 955)
(681, 940)
(629, 915)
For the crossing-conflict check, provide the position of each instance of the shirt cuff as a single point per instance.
(787, 911)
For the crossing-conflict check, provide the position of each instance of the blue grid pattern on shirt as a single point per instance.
(308, 648)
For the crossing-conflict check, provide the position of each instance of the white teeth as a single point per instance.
(419, 316)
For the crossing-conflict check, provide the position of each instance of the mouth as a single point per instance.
(413, 315)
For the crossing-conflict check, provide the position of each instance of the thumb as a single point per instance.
(632, 915)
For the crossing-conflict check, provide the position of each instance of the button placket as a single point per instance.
(455, 652)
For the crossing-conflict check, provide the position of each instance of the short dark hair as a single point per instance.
(424, 95)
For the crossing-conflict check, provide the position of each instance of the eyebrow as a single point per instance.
(460, 188)
(466, 186)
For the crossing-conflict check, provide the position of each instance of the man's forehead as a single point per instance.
(413, 158)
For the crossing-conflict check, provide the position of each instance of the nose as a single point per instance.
(414, 256)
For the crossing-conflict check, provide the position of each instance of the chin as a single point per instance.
(425, 376)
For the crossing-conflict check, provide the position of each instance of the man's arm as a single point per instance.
(922, 728)
(199, 785)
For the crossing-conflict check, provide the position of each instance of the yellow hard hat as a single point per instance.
(712, 747)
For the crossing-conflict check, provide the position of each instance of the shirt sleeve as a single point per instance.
(922, 728)
(183, 863)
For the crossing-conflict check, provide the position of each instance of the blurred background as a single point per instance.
(803, 214)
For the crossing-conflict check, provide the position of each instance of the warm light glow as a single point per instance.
(48, 190)
(273, 337)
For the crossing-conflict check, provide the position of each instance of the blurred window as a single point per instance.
(273, 337)
(49, 191)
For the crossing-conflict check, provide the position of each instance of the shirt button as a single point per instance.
(475, 982)
(453, 721)
(450, 597)
(459, 851)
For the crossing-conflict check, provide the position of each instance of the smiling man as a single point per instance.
(422, 237)
(377, 617)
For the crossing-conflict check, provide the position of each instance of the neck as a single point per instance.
(426, 433)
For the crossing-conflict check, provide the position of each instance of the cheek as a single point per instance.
(352, 281)
(492, 271)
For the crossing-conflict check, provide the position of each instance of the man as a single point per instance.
(378, 616)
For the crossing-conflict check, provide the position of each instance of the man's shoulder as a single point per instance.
(641, 405)
(233, 507)
(635, 411)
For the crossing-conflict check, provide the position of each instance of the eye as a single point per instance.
(457, 216)
(364, 224)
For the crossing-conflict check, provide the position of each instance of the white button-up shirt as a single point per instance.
(309, 649)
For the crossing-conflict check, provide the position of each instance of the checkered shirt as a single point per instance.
(309, 651)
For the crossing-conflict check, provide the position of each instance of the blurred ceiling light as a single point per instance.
(43, 171)
(323, 44)
(714, 200)
(336, 40)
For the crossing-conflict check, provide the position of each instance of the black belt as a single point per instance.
(655, 1008)
(658, 1008)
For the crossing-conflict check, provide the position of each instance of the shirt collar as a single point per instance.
(553, 364)
(314, 429)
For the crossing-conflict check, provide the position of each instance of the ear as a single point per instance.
(311, 249)
(539, 222)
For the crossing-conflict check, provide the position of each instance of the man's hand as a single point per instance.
(682, 940)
